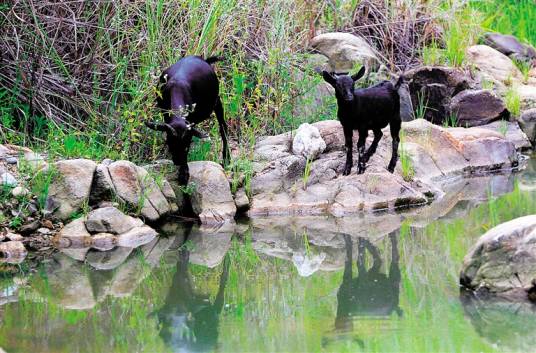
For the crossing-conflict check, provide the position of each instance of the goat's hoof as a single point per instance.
(183, 179)
(347, 171)
(391, 169)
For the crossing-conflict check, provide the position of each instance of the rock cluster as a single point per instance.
(280, 185)
(80, 181)
(103, 229)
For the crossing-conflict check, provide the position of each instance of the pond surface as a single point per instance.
(375, 283)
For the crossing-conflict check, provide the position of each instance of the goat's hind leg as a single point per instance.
(348, 135)
(395, 134)
(361, 162)
(372, 149)
(218, 109)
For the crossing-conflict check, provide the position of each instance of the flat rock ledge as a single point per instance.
(503, 261)
(282, 186)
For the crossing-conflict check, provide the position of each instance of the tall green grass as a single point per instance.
(514, 17)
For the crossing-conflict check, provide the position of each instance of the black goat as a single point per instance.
(365, 109)
(189, 93)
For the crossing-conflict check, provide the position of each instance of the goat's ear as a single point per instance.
(329, 78)
(360, 74)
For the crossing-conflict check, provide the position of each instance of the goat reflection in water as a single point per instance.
(188, 320)
(370, 295)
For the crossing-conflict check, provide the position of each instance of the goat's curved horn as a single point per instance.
(170, 130)
(162, 127)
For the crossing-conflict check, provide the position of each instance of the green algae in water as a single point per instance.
(390, 285)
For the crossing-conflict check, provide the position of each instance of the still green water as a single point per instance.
(374, 283)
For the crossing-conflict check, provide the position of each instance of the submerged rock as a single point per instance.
(503, 261)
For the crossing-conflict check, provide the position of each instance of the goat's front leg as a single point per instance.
(348, 135)
(218, 109)
(361, 162)
(180, 159)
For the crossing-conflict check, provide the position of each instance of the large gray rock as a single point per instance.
(433, 87)
(344, 50)
(212, 200)
(137, 188)
(110, 220)
(493, 64)
(503, 261)
(308, 142)
(527, 121)
(406, 105)
(70, 188)
(478, 107)
(510, 46)
(279, 186)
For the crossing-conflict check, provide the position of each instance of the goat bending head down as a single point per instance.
(189, 93)
(365, 109)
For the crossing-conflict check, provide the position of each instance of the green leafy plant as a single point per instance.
(503, 127)
(306, 173)
(408, 172)
(422, 106)
(513, 101)
(451, 120)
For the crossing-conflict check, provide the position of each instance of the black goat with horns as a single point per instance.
(189, 93)
(365, 109)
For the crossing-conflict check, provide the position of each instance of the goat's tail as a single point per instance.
(213, 59)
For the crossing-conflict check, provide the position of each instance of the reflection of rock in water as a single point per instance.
(510, 326)
(189, 321)
(371, 294)
(209, 248)
(527, 178)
